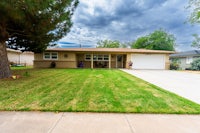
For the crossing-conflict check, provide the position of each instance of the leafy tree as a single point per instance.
(195, 65)
(141, 42)
(196, 42)
(108, 44)
(195, 15)
(124, 45)
(32, 25)
(195, 18)
(111, 44)
(158, 40)
(161, 40)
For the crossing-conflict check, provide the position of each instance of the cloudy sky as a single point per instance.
(126, 20)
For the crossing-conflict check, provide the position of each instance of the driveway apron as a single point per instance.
(184, 84)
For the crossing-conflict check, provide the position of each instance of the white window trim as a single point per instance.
(50, 56)
(46, 58)
(54, 53)
(88, 59)
(103, 56)
(189, 60)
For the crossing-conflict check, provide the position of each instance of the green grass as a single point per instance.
(88, 90)
(20, 67)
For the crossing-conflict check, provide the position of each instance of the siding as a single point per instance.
(70, 59)
(167, 62)
(18, 57)
(65, 60)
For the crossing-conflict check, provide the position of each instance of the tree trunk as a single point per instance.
(5, 71)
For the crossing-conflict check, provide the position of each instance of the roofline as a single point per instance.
(174, 56)
(111, 50)
(12, 50)
(186, 53)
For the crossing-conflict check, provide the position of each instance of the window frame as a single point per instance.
(189, 60)
(56, 53)
(106, 57)
(50, 56)
(87, 58)
(97, 57)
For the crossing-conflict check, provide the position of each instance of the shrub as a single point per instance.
(174, 65)
(53, 64)
(195, 65)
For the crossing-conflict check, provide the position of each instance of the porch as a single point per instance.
(99, 60)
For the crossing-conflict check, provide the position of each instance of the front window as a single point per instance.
(47, 56)
(189, 60)
(87, 57)
(97, 57)
(106, 57)
(100, 57)
(54, 56)
(50, 55)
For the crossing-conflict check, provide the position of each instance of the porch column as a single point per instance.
(109, 62)
(92, 62)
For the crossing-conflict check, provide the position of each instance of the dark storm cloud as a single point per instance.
(124, 11)
(98, 20)
(126, 20)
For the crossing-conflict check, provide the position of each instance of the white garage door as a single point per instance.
(148, 61)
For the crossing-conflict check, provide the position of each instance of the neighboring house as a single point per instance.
(18, 57)
(103, 58)
(186, 58)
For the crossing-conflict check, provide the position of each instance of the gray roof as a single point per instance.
(186, 53)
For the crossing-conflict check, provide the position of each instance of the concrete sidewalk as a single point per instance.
(45, 122)
(182, 83)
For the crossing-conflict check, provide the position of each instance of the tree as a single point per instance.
(32, 25)
(111, 44)
(158, 40)
(195, 18)
(161, 40)
(196, 42)
(195, 65)
(124, 45)
(195, 15)
(108, 44)
(141, 42)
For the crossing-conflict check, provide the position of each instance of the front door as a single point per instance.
(119, 61)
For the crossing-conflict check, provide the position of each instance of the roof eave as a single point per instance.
(111, 50)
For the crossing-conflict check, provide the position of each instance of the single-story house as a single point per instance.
(185, 58)
(103, 58)
(18, 57)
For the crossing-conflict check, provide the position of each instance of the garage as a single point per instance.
(148, 61)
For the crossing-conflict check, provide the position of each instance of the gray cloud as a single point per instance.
(126, 20)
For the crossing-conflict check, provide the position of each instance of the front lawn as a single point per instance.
(20, 67)
(88, 90)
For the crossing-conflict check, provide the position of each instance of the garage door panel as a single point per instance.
(148, 61)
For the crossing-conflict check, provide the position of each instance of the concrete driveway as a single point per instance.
(182, 83)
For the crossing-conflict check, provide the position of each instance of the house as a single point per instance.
(103, 58)
(185, 58)
(18, 57)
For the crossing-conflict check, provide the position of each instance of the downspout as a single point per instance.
(19, 62)
(109, 61)
(92, 62)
